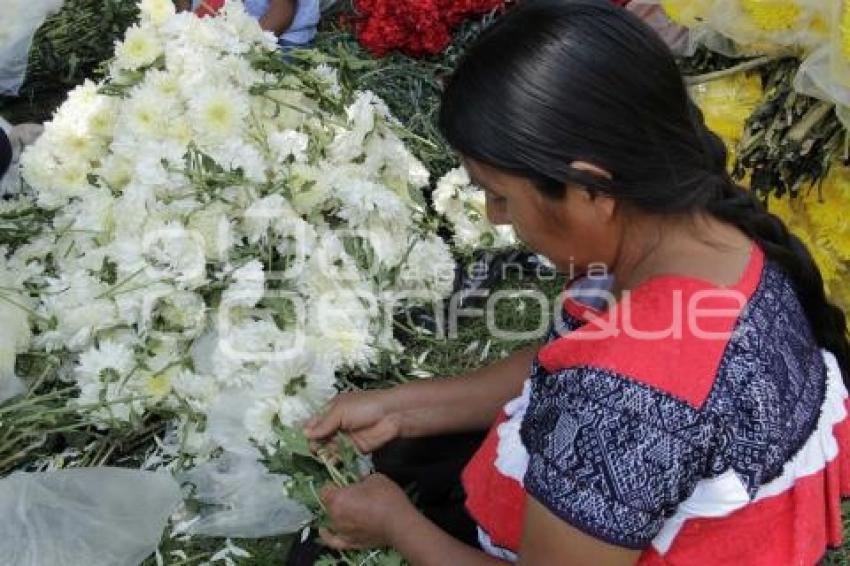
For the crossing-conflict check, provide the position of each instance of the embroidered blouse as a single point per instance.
(697, 423)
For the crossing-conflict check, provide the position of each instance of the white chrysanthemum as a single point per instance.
(156, 11)
(212, 224)
(86, 112)
(38, 166)
(363, 200)
(429, 266)
(237, 154)
(143, 114)
(386, 243)
(218, 113)
(93, 212)
(294, 410)
(104, 362)
(289, 143)
(343, 322)
(141, 47)
(175, 253)
(197, 390)
(265, 214)
(330, 77)
(329, 268)
(175, 314)
(78, 304)
(116, 171)
(14, 330)
(464, 206)
(248, 286)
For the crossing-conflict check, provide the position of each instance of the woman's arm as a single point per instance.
(376, 513)
(279, 16)
(549, 540)
(425, 408)
(465, 403)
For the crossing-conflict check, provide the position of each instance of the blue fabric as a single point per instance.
(304, 25)
(615, 457)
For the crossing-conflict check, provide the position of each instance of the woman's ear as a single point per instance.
(604, 206)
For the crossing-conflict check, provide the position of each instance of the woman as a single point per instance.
(723, 440)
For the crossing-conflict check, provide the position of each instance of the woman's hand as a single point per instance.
(364, 515)
(366, 416)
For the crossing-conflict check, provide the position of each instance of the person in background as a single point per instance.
(294, 22)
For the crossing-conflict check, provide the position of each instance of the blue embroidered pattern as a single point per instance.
(615, 457)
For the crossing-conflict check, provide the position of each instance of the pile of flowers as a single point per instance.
(229, 232)
(415, 27)
(464, 207)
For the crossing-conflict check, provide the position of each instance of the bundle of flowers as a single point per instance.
(416, 27)
(800, 48)
(229, 231)
(464, 207)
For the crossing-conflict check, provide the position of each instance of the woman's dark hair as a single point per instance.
(558, 81)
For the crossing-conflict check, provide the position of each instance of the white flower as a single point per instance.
(156, 11)
(464, 206)
(429, 266)
(269, 213)
(289, 143)
(363, 200)
(93, 212)
(218, 113)
(329, 76)
(213, 226)
(170, 203)
(236, 154)
(175, 253)
(14, 331)
(248, 287)
(106, 362)
(180, 314)
(140, 48)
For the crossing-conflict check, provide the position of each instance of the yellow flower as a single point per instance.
(772, 15)
(687, 12)
(727, 103)
(828, 215)
(844, 29)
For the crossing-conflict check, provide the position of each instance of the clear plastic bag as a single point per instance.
(18, 24)
(241, 500)
(839, 45)
(765, 25)
(85, 516)
(816, 78)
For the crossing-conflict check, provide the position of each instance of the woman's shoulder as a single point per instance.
(672, 332)
(761, 378)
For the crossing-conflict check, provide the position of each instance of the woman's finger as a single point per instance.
(369, 439)
(324, 426)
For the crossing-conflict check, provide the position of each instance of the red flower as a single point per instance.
(415, 27)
